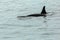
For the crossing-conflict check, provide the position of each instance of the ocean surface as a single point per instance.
(29, 28)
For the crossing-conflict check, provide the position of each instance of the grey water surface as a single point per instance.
(30, 28)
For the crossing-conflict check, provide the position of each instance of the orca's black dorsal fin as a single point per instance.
(43, 10)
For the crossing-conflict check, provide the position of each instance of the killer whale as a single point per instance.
(43, 13)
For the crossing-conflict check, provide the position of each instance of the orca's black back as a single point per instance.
(43, 10)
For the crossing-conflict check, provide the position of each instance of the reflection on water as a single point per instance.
(33, 28)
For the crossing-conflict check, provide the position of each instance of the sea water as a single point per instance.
(29, 28)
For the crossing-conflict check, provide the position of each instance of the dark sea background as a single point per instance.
(30, 28)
